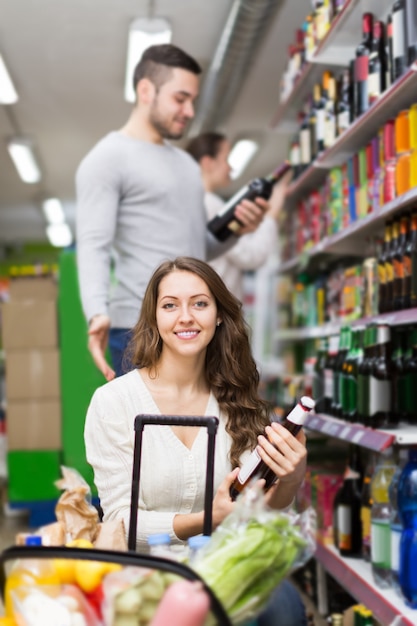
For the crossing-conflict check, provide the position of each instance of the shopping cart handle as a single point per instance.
(211, 423)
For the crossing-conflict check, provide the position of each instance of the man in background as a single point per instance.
(141, 200)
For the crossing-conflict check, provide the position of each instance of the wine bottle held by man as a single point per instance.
(255, 466)
(225, 223)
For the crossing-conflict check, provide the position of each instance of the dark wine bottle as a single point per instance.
(225, 223)
(255, 466)
(411, 30)
(399, 39)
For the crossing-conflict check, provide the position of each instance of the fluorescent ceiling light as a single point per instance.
(24, 159)
(143, 32)
(8, 94)
(240, 155)
(59, 235)
(53, 211)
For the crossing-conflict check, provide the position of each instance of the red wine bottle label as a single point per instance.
(249, 467)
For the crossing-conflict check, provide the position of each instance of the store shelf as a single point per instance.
(336, 49)
(346, 241)
(400, 95)
(355, 576)
(397, 318)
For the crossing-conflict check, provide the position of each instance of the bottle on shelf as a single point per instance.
(398, 377)
(398, 263)
(255, 466)
(330, 110)
(224, 224)
(343, 104)
(390, 264)
(407, 505)
(362, 65)
(318, 376)
(329, 368)
(377, 63)
(382, 269)
(364, 372)
(344, 345)
(395, 521)
(390, 57)
(411, 30)
(348, 506)
(399, 39)
(366, 507)
(305, 139)
(320, 113)
(409, 295)
(352, 363)
(410, 377)
(381, 414)
(380, 520)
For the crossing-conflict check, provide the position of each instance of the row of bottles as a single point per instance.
(381, 171)
(306, 40)
(368, 375)
(375, 516)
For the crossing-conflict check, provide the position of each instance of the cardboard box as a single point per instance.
(29, 324)
(33, 425)
(32, 375)
(33, 288)
(32, 475)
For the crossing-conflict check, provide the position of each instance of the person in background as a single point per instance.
(192, 356)
(140, 199)
(211, 151)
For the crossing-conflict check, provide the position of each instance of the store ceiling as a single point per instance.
(67, 62)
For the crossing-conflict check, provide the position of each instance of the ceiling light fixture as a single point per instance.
(240, 155)
(53, 211)
(21, 152)
(143, 32)
(59, 235)
(8, 93)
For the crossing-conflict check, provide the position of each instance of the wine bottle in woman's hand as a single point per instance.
(225, 222)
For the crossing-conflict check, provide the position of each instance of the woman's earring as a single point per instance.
(218, 323)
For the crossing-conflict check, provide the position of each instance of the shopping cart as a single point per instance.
(12, 555)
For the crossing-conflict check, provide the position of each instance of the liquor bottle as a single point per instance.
(349, 530)
(343, 109)
(381, 414)
(364, 369)
(305, 139)
(398, 377)
(336, 407)
(398, 263)
(389, 267)
(225, 223)
(377, 63)
(255, 466)
(410, 266)
(399, 39)
(411, 30)
(312, 122)
(380, 519)
(320, 109)
(362, 65)
(390, 57)
(382, 271)
(343, 370)
(396, 526)
(407, 505)
(329, 373)
(366, 507)
(294, 157)
(318, 376)
(410, 377)
(352, 364)
(330, 112)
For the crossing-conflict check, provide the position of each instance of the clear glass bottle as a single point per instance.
(380, 520)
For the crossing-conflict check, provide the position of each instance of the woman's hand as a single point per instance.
(286, 455)
(222, 503)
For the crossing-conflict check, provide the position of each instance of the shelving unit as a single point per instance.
(356, 577)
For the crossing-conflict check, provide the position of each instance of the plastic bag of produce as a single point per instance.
(252, 551)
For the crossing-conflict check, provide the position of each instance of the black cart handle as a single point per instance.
(211, 423)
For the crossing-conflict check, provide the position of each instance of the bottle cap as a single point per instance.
(198, 541)
(33, 540)
(158, 539)
(307, 403)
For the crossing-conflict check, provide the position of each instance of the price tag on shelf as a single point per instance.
(345, 432)
(357, 437)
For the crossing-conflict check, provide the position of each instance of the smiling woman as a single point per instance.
(192, 356)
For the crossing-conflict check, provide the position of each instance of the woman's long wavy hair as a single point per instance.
(231, 371)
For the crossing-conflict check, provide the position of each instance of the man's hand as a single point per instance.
(251, 214)
(98, 337)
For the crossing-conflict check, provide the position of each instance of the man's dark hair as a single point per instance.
(206, 144)
(157, 61)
